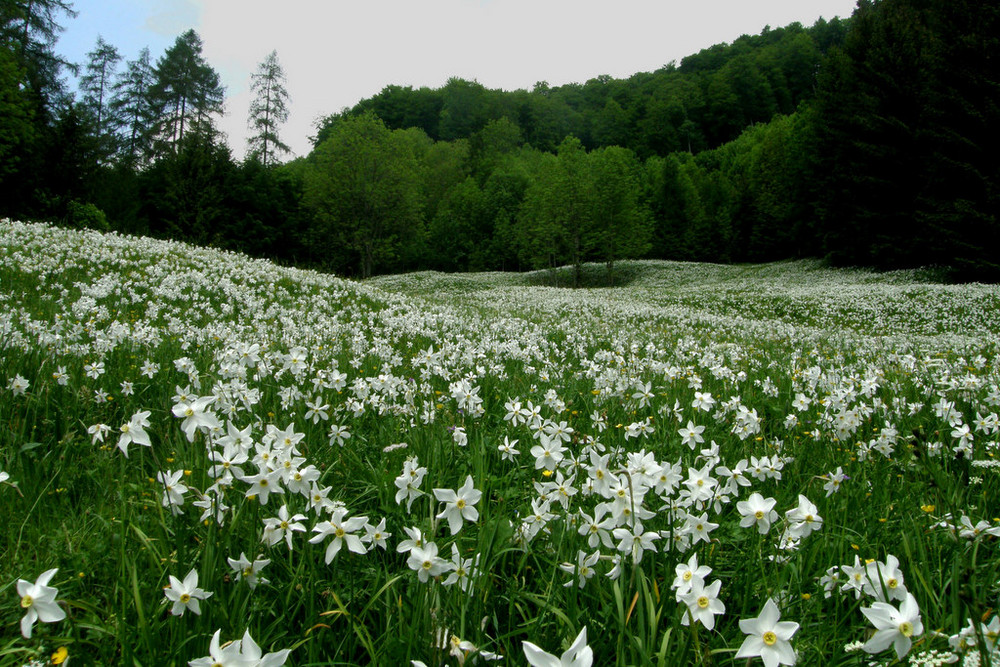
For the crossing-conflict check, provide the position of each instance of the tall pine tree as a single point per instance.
(187, 92)
(97, 84)
(135, 110)
(268, 110)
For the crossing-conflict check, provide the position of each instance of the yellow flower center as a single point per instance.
(460, 503)
(688, 575)
(284, 525)
(703, 602)
(27, 601)
(906, 628)
(426, 565)
(263, 482)
(759, 514)
(185, 598)
(340, 532)
(189, 412)
(769, 638)
(892, 583)
(247, 571)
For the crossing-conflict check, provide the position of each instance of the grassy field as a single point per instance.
(452, 469)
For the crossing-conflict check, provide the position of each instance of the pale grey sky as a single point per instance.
(336, 52)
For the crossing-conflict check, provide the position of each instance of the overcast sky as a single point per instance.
(337, 52)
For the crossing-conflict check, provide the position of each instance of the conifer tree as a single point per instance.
(268, 110)
(133, 107)
(30, 29)
(187, 91)
(96, 84)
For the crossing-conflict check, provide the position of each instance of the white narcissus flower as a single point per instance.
(196, 415)
(134, 432)
(894, 626)
(548, 453)
(426, 562)
(691, 435)
(173, 489)
(884, 581)
(703, 604)
(583, 569)
(834, 480)
(343, 531)
(252, 653)
(249, 570)
(263, 484)
(408, 483)
(577, 655)
(459, 505)
(768, 638)
(39, 602)
(376, 536)
(803, 519)
(688, 574)
(18, 385)
(757, 510)
(219, 656)
(185, 594)
(282, 526)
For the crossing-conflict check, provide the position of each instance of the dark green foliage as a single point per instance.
(905, 138)
(97, 86)
(870, 141)
(16, 120)
(583, 207)
(187, 191)
(705, 102)
(86, 216)
(186, 93)
(362, 190)
(135, 110)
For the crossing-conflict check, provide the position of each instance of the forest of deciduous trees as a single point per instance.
(866, 141)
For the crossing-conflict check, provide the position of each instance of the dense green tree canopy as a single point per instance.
(867, 141)
(362, 188)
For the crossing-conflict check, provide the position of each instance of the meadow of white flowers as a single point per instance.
(212, 460)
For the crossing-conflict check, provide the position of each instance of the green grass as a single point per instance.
(403, 362)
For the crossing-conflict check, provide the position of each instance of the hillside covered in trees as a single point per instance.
(866, 141)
